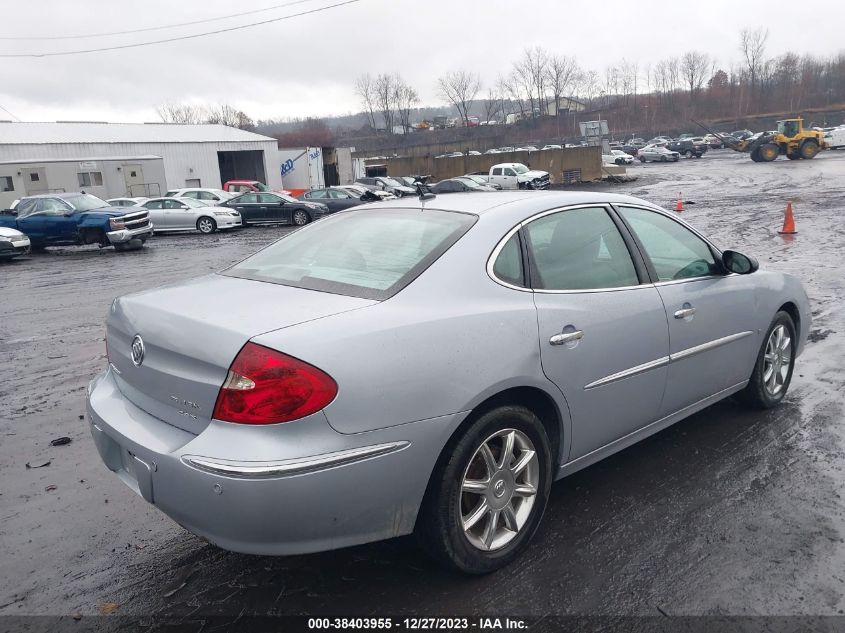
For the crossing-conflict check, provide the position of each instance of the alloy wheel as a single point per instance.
(300, 218)
(205, 225)
(777, 360)
(498, 489)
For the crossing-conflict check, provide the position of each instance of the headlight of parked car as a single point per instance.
(3, 238)
(116, 224)
(226, 213)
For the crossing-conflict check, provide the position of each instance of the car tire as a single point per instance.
(301, 218)
(766, 390)
(206, 225)
(505, 502)
(132, 245)
(642, 159)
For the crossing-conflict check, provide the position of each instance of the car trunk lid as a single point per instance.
(190, 333)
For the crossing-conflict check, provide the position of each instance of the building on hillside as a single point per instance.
(134, 159)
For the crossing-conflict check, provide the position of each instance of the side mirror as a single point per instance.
(738, 263)
(67, 214)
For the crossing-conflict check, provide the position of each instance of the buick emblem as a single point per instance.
(499, 488)
(137, 350)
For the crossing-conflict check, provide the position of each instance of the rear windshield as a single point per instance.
(369, 254)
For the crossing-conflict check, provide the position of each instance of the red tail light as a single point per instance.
(266, 387)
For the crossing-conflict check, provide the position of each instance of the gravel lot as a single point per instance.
(728, 512)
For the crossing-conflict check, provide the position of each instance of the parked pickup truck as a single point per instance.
(66, 219)
(518, 176)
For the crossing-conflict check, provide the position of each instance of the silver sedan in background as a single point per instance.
(430, 366)
(187, 214)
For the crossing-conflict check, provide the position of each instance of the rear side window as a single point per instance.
(508, 265)
(497, 171)
(372, 255)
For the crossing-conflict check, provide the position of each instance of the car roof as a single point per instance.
(492, 203)
(62, 194)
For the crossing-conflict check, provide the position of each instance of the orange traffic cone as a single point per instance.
(788, 221)
(679, 205)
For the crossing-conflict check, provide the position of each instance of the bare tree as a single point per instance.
(365, 90)
(180, 113)
(561, 73)
(404, 98)
(460, 88)
(695, 67)
(492, 104)
(385, 97)
(224, 114)
(753, 47)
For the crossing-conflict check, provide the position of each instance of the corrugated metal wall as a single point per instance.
(182, 161)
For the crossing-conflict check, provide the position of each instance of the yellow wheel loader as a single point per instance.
(790, 140)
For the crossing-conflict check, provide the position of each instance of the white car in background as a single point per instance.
(203, 194)
(617, 157)
(186, 214)
(13, 243)
(545, 147)
(126, 202)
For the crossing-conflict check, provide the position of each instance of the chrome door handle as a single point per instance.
(560, 339)
(684, 313)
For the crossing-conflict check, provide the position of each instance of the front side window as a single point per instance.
(268, 198)
(674, 250)
(336, 194)
(509, 172)
(372, 255)
(579, 249)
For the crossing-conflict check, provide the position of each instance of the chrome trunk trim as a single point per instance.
(289, 468)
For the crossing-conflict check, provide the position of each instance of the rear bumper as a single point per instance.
(282, 489)
(125, 235)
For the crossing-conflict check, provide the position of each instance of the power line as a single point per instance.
(152, 28)
(9, 113)
(180, 38)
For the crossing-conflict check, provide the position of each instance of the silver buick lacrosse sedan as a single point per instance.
(430, 366)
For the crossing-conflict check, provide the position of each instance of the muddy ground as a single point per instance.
(728, 512)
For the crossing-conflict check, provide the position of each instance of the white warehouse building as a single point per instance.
(133, 159)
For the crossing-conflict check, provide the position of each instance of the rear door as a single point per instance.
(159, 216)
(247, 205)
(603, 335)
(711, 315)
(179, 215)
(275, 208)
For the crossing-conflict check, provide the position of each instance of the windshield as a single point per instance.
(87, 202)
(520, 169)
(190, 202)
(287, 198)
(372, 255)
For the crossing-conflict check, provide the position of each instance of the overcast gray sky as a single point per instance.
(307, 65)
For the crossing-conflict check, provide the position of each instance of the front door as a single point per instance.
(133, 176)
(603, 335)
(275, 208)
(35, 180)
(712, 337)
